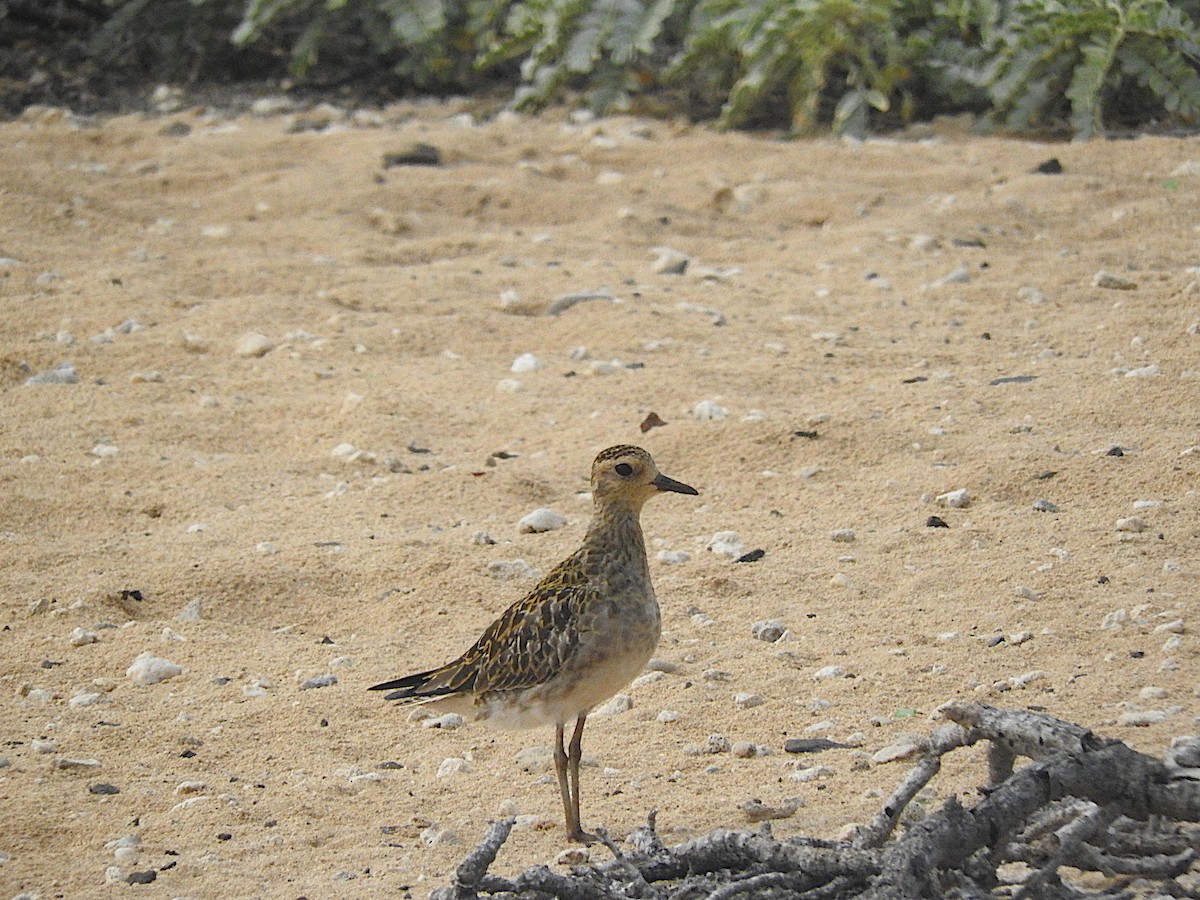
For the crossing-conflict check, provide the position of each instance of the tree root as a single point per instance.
(1083, 803)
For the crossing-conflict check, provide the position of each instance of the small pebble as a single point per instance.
(810, 745)
(103, 788)
(1131, 524)
(708, 410)
(1175, 626)
(827, 672)
(69, 763)
(572, 856)
(811, 773)
(717, 743)
(954, 499)
(726, 543)
(453, 765)
(614, 705)
(747, 701)
(63, 373)
(669, 261)
(1141, 718)
(667, 716)
(842, 535)
(673, 557)
(526, 362)
(541, 520)
(1112, 282)
(43, 745)
(744, 750)
(150, 669)
(81, 636)
(447, 722)
(318, 681)
(769, 630)
(253, 344)
(1045, 506)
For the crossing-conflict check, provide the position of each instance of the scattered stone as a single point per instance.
(1112, 282)
(1143, 371)
(725, 543)
(769, 630)
(447, 722)
(669, 261)
(1045, 506)
(1031, 295)
(651, 421)
(1012, 379)
(541, 520)
(150, 669)
(1141, 718)
(811, 773)
(744, 750)
(717, 675)
(573, 856)
(81, 636)
(146, 876)
(254, 344)
(667, 716)
(1175, 626)
(87, 698)
(566, 301)
(936, 522)
(1131, 524)
(43, 745)
(453, 765)
(961, 275)
(811, 745)
(1049, 167)
(842, 535)
(747, 701)
(190, 787)
(709, 411)
(67, 763)
(717, 743)
(318, 681)
(756, 811)
(103, 788)
(956, 499)
(752, 557)
(511, 569)
(615, 705)
(419, 154)
(903, 749)
(63, 373)
(526, 362)
(673, 557)
(827, 672)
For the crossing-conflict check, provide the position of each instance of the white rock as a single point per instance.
(708, 410)
(1143, 371)
(747, 701)
(572, 856)
(954, 499)
(541, 520)
(614, 706)
(1141, 718)
(842, 535)
(673, 557)
(151, 669)
(726, 543)
(1114, 620)
(190, 787)
(667, 716)
(669, 261)
(511, 569)
(88, 698)
(526, 362)
(1175, 626)
(509, 386)
(827, 672)
(43, 745)
(254, 344)
(81, 636)
(769, 630)
(1031, 295)
(453, 765)
(898, 750)
(811, 773)
(447, 722)
(1131, 524)
(66, 762)
(104, 451)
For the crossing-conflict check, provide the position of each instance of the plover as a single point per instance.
(573, 641)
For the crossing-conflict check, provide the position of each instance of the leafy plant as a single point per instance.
(1083, 53)
(822, 59)
(601, 42)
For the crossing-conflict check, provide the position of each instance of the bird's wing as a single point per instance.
(532, 640)
(526, 646)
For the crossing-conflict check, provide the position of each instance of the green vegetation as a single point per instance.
(805, 65)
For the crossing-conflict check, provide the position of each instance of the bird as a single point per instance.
(584, 632)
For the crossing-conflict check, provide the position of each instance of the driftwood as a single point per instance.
(1084, 804)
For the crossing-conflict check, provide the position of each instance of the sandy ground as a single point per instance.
(859, 384)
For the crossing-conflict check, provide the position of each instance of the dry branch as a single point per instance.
(1083, 802)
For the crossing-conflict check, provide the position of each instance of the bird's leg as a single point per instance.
(574, 827)
(560, 769)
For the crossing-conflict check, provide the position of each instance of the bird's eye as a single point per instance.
(624, 469)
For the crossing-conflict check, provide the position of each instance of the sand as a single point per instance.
(185, 500)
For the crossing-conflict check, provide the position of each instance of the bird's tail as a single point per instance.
(424, 686)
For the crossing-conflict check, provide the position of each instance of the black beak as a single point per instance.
(663, 483)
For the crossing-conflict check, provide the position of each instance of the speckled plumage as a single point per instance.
(572, 642)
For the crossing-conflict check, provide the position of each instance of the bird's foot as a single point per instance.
(579, 836)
